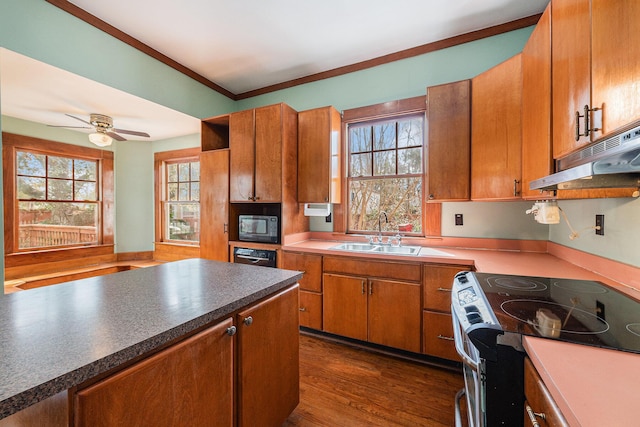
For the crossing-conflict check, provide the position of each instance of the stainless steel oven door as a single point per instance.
(473, 369)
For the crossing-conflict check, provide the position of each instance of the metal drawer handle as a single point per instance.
(303, 309)
(442, 337)
(444, 290)
(533, 415)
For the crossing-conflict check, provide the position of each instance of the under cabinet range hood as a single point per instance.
(613, 162)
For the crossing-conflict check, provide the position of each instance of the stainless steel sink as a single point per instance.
(386, 249)
(354, 247)
(398, 250)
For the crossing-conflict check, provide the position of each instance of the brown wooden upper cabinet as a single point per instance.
(319, 178)
(596, 69)
(537, 160)
(496, 132)
(449, 139)
(256, 138)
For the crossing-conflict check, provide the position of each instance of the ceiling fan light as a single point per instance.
(100, 139)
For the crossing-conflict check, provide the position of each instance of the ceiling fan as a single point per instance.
(104, 130)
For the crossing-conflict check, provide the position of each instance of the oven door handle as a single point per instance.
(457, 339)
(253, 259)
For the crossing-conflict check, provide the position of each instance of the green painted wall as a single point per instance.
(400, 79)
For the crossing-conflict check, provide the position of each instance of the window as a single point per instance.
(385, 173)
(182, 200)
(56, 199)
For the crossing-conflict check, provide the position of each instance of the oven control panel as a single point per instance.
(468, 302)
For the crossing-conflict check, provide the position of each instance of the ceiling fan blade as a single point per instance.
(132, 132)
(116, 136)
(78, 118)
(71, 127)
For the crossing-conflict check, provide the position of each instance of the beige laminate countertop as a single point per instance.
(592, 386)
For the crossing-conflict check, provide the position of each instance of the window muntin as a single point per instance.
(385, 162)
(182, 206)
(57, 200)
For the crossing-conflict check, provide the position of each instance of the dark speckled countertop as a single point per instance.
(55, 337)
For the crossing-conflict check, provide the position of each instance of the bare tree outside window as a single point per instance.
(385, 174)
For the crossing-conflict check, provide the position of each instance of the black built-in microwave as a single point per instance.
(258, 228)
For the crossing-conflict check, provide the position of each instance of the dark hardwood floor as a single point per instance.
(341, 385)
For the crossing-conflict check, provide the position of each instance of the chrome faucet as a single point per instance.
(386, 220)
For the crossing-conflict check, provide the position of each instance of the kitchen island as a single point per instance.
(60, 337)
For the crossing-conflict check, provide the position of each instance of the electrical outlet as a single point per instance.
(459, 219)
(600, 225)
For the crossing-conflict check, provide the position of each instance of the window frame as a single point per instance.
(161, 159)
(11, 144)
(380, 112)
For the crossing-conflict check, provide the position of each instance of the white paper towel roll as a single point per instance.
(317, 209)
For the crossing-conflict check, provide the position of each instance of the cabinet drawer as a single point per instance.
(437, 334)
(437, 286)
(310, 264)
(311, 310)
(368, 268)
(539, 399)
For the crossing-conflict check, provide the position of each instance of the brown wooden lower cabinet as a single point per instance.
(202, 380)
(311, 310)
(437, 329)
(268, 360)
(190, 383)
(539, 403)
(380, 311)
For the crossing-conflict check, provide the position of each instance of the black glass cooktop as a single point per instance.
(580, 311)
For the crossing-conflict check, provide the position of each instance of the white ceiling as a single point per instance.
(250, 44)
(240, 46)
(41, 93)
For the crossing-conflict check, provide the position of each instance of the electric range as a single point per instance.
(491, 313)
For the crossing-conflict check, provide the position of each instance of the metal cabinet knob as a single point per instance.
(231, 331)
(303, 309)
(248, 320)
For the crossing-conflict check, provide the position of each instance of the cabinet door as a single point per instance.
(344, 306)
(449, 143)
(310, 264)
(537, 157)
(394, 314)
(268, 153)
(268, 360)
(319, 178)
(188, 384)
(214, 205)
(242, 156)
(571, 78)
(311, 310)
(615, 64)
(496, 132)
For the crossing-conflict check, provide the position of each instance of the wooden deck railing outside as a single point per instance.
(42, 235)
